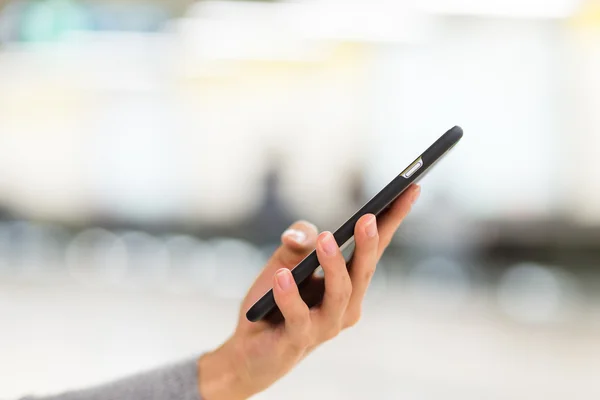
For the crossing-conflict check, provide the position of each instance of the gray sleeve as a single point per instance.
(175, 382)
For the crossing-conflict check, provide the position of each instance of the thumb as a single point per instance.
(296, 242)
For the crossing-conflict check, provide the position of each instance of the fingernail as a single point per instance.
(284, 278)
(371, 227)
(416, 194)
(296, 235)
(328, 244)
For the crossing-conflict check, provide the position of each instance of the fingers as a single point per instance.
(364, 262)
(392, 219)
(297, 241)
(338, 287)
(293, 308)
(344, 290)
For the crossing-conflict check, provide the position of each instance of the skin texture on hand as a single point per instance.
(258, 354)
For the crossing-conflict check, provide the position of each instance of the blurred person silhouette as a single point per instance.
(257, 355)
(273, 213)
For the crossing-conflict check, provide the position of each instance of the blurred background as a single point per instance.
(152, 152)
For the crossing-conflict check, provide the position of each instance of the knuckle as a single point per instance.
(368, 274)
(341, 296)
(300, 318)
(347, 288)
(300, 341)
(331, 332)
(353, 318)
(304, 339)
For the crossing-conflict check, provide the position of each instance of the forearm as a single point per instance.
(175, 382)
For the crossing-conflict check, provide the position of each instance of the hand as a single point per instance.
(258, 354)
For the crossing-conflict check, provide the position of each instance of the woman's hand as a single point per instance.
(258, 354)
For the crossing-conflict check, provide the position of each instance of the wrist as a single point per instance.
(220, 377)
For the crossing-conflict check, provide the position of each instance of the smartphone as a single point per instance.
(304, 272)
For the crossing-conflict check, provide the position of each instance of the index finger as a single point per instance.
(389, 223)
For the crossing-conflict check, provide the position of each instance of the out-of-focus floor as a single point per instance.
(57, 334)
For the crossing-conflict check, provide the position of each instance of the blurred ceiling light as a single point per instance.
(246, 39)
(502, 8)
(587, 15)
(294, 30)
(241, 30)
(377, 21)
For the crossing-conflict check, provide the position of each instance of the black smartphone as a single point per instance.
(266, 308)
